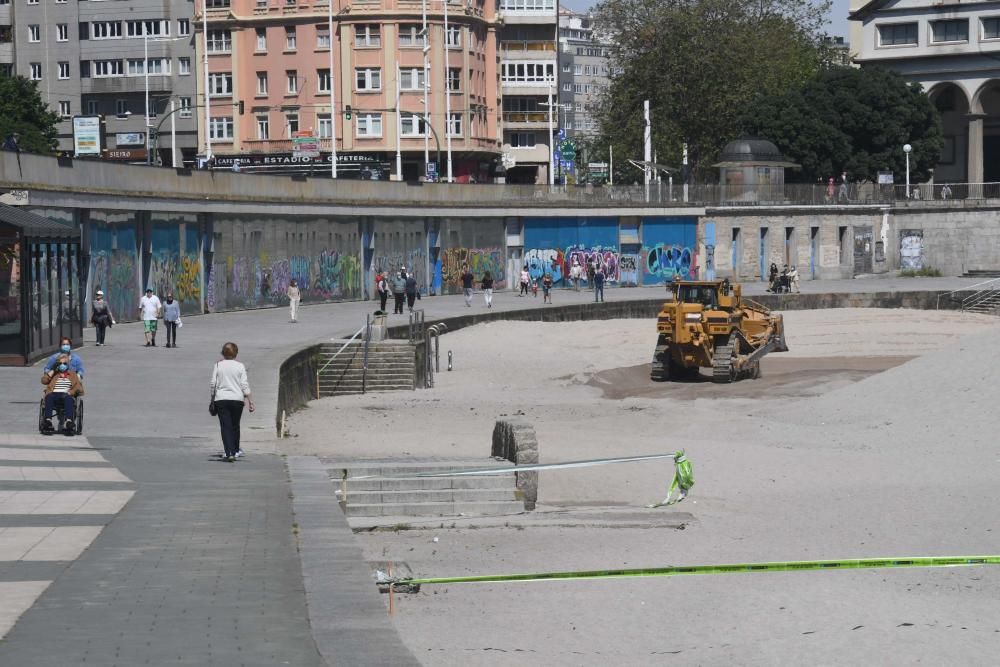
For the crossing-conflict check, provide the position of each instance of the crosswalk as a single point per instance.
(56, 495)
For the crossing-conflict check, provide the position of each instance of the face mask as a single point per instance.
(170, 300)
(65, 348)
(63, 367)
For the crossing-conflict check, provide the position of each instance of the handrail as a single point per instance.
(364, 361)
(334, 356)
(964, 289)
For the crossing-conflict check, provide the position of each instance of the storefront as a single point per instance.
(40, 289)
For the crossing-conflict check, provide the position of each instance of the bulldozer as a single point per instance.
(709, 324)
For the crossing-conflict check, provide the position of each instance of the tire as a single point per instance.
(41, 416)
(723, 366)
(79, 416)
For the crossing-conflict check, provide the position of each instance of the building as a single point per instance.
(269, 87)
(90, 60)
(583, 67)
(953, 51)
(528, 83)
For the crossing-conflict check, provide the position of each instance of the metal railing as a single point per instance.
(976, 296)
(329, 361)
(527, 45)
(526, 116)
(433, 366)
(364, 356)
(416, 326)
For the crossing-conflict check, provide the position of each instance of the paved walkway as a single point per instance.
(134, 545)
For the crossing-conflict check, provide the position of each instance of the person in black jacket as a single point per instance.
(467, 279)
(488, 289)
(411, 291)
(399, 290)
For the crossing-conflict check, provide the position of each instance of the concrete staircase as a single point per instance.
(390, 367)
(391, 490)
(986, 301)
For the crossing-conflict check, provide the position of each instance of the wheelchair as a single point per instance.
(45, 429)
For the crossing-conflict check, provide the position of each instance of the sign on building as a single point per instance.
(87, 135)
(130, 139)
(305, 144)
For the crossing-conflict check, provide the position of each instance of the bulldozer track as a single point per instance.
(722, 362)
(659, 371)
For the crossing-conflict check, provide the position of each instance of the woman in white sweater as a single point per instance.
(230, 392)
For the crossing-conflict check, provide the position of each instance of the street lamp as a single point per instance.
(145, 69)
(906, 149)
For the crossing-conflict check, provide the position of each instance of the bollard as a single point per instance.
(449, 360)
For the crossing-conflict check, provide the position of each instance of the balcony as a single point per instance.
(525, 120)
(275, 145)
(515, 49)
(125, 84)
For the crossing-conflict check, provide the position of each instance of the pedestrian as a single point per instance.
(61, 384)
(171, 319)
(236, 166)
(547, 288)
(294, 296)
(230, 393)
(599, 284)
(591, 270)
(829, 190)
(488, 289)
(399, 290)
(382, 287)
(100, 316)
(793, 278)
(842, 194)
(945, 191)
(150, 309)
(411, 291)
(772, 278)
(576, 273)
(66, 349)
(11, 143)
(525, 281)
(467, 279)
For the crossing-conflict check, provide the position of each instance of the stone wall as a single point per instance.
(514, 440)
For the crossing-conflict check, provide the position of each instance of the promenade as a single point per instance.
(133, 544)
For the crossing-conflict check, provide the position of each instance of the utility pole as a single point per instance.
(684, 171)
(552, 143)
(399, 130)
(333, 95)
(208, 110)
(427, 48)
(447, 93)
(647, 139)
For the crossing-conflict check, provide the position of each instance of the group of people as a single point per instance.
(402, 286)
(786, 280)
(63, 380)
(151, 309)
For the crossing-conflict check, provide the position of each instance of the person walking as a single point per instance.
(525, 280)
(100, 316)
(467, 279)
(793, 277)
(149, 310)
(488, 289)
(171, 319)
(399, 290)
(591, 270)
(294, 296)
(411, 291)
(382, 287)
(547, 288)
(576, 273)
(599, 284)
(230, 393)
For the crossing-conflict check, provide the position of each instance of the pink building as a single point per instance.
(269, 82)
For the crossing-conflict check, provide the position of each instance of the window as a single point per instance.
(183, 27)
(34, 33)
(412, 125)
(411, 79)
(410, 35)
(147, 28)
(291, 81)
(62, 32)
(63, 70)
(453, 38)
(106, 30)
(155, 66)
(454, 80)
(522, 140)
(291, 123)
(455, 125)
(219, 41)
(991, 28)
(262, 83)
(323, 81)
(121, 107)
(897, 34)
(322, 37)
(183, 66)
(367, 35)
(528, 73)
(369, 125)
(290, 38)
(92, 107)
(32, 2)
(580, 88)
(527, 5)
(36, 71)
(324, 126)
(64, 109)
(220, 127)
(956, 30)
(217, 4)
(566, 67)
(577, 70)
(567, 87)
(107, 68)
(263, 127)
(185, 106)
(368, 78)
(220, 84)
(262, 39)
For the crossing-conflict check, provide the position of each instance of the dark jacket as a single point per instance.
(487, 283)
(599, 279)
(467, 279)
(411, 285)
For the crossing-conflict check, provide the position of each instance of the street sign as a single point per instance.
(432, 171)
(87, 135)
(567, 149)
(305, 144)
(508, 161)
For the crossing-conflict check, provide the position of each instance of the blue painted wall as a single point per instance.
(550, 244)
(669, 247)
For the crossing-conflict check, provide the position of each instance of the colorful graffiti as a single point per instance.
(116, 272)
(448, 268)
(608, 258)
(171, 272)
(542, 261)
(664, 261)
(413, 260)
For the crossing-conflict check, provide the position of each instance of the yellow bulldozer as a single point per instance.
(709, 324)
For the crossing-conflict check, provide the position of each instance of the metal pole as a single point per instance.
(647, 137)
(208, 110)
(611, 164)
(334, 113)
(907, 174)
(552, 143)
(399, 130)
(447, 94)
(173, 136)
(427, 48)
(145, 69)
(684, 175)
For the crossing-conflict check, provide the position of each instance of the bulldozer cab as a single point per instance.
(711, 295)
(704, 294)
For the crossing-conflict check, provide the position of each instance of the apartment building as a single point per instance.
(583, 73)
(270, 87)
(529, 82)
(92, 59)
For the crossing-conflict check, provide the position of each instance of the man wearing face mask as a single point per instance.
(171, 319)
(61, 384)
(66, 348)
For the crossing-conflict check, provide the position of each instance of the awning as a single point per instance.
(35, 226)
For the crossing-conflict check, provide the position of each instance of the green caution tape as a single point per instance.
(677, 570)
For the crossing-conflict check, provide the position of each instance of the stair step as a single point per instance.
(436, 509)
(424, 496)
(429, 483)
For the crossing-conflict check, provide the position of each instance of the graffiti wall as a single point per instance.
(115, 264)
(400, 243)
(175, 261)
(551, 245)
(911, 249)
(669, 248)
(478, 243)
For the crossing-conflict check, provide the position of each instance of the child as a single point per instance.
(547, 288)
(534, 288)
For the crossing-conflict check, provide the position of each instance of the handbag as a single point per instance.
(212, 410)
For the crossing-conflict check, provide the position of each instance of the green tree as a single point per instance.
(853, 120)
(22, 111)
(700, 63)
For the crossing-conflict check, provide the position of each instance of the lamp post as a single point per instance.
(334, 114)
(906, 149)
(145, 69)
(552, 141)
(208, 110)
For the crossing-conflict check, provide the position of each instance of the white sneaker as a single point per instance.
(239, 454)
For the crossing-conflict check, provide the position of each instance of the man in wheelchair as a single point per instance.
(62, 387)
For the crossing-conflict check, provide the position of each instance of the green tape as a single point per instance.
(677, 570)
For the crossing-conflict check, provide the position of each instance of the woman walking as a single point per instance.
(230, 392)
(100, 316)
(488, 289)
(171, 319)
(294, 296)
(525, 280)
(382, 285)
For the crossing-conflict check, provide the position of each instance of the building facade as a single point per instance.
(528, 85)
(584, 73)
(953, 51)
(90, 60)
(400, 97)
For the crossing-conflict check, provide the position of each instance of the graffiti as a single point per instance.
(116, 273)
(628, 269)
(666, 261)
(606, 257)
(390, 262)
(170, 272)
(480, 260)
(911, 249)
(542, 261)
(261, 281)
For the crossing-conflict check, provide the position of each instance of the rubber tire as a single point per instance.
(79, 416)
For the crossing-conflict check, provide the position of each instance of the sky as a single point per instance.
(836, 28)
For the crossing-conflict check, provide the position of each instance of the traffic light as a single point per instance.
(347, 112)
(241, 107)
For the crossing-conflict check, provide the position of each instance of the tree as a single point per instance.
(22, 111)
(853, 120)
(700, 63)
